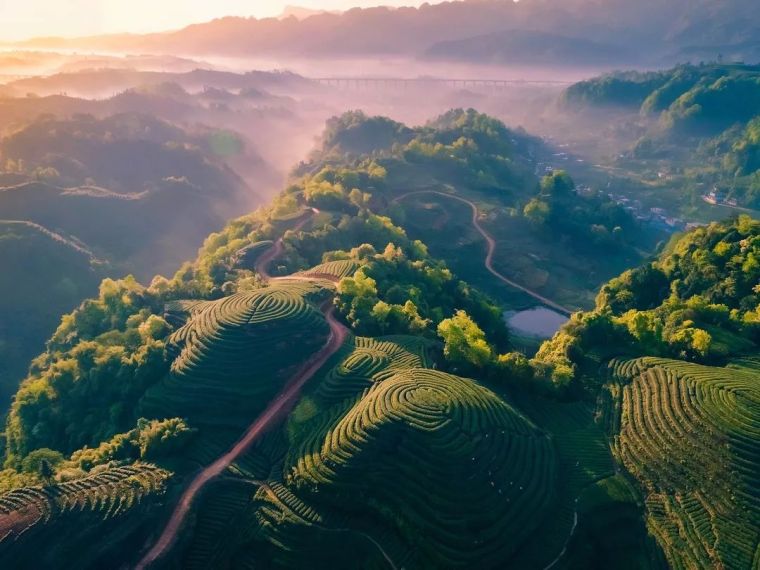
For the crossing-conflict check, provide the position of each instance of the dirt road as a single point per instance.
(272, 414)
(491, 245)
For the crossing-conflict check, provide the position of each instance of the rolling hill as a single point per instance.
(317, 389)
(46, 266)
(112, 196)
(695, 124)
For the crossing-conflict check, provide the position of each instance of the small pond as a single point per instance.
(538, 322)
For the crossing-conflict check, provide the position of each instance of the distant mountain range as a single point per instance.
(480, 30)
(301, 13)
(529, 47)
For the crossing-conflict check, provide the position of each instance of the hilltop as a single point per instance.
(685, 137)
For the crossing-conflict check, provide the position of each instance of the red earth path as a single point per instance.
(274, 412)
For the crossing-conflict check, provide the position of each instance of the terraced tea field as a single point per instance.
(332, 270)
(465, 475)
(584, 458)
(689, 434)
(232, 355)
(96, 503)
(445, 455)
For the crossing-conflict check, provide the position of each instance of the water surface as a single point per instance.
(536, 322)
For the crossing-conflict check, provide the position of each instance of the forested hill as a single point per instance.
(146, 386)
(699, 121)
(112, 196)
(705, 97)
(673, 352)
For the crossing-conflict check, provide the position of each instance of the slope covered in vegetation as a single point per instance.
(425, 441)
(696, 122)
(45, 266)
(682, 414)
(85, 198)
(689, 434)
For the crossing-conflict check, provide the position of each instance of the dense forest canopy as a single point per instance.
(699, 119)
(699, 302)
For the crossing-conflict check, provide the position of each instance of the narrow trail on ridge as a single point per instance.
(55, 237)
(491, 244)
(273, 413)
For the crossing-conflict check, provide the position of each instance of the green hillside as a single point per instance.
(85, 198)
(90, 515)
(694, 125)
(370, 428)
(231, 355)
(318, 389)
(682, 415)
(688, 433)
(51, 275)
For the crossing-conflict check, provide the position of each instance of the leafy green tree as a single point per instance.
(537, 211)
(42, 462)
(464, 341)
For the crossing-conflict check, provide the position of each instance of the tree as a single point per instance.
(514, 366)
(558, 183)
(537, 211)
(464, 341)
(46, 471)
(42, 462)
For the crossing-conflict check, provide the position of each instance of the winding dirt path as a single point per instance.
(491, 243)
(265, 259)
(274, 412)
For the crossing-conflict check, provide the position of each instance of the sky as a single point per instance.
(20, 19)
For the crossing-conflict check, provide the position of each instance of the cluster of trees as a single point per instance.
(404, 291)
(150, 440)
(713, 94)
(617, 89)
(342, 188)
(354, 133)
(700, 301)
(472, 149)
(711, 106)
(99, 362)
(468, 351)
(587, 220)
